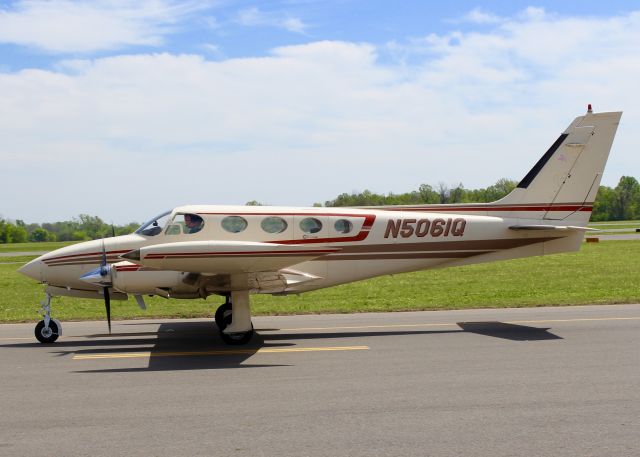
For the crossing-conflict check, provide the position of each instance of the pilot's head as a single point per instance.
(192, 220)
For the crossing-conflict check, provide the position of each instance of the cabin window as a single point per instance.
(310, 225)
(234, 224)
(273, 225)
(185, 223)
(343, 226)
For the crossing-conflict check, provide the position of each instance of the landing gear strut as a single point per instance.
(47, 330)
(233, 318)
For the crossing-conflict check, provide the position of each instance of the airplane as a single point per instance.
(195, 251)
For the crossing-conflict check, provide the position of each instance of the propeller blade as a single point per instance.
(107, 305)
(103, 262)
(113, 231)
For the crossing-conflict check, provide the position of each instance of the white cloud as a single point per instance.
(480, 16)
(67, 26)
(252, 17)
(126, 136)
(533, 14)
(213, 49)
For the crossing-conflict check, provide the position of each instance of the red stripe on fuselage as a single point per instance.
(156, 256)
(85, 254)
(489, 208)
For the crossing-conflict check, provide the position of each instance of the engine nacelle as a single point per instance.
(135, 279)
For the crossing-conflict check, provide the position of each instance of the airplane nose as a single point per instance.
(33, 269)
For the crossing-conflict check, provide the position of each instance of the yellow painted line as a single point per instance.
(452, 324)
(583, 319)
(148, 354)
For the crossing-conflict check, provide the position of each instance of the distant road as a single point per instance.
(628, 236)
(20, 254)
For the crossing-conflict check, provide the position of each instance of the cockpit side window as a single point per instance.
(154, 226)
(193, 223)
(185, 223)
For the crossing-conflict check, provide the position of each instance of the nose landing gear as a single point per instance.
(47, 330)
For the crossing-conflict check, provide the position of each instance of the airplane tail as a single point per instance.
(563, 184)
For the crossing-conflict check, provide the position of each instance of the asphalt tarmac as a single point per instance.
(515, 382)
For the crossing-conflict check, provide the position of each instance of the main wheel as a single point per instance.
(223, 316)
(47, 335)
(235, 339)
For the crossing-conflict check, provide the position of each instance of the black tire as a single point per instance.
(47, 336)
(235, 339)
(223, 316)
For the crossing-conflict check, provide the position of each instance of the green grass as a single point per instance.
(16, 259)
(601, 273)
(35, 247)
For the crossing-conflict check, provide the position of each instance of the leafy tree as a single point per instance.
(15, 234)
(39, 235)
(625, 203)
(603, 204)
(126, 229)
(79, 235)
(3, 231)
(427, 194)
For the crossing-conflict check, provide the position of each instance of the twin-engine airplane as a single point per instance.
(234, 251)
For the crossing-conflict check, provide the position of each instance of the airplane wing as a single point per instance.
(563, 228)
(224, 257)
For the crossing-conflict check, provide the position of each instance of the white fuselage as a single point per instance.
(365, 243)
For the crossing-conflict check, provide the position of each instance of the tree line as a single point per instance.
(612, 204)
(82, 228)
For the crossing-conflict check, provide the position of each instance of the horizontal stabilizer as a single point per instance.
(563, 228)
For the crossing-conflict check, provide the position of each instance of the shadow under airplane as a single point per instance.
(507, 331)
(196, 345)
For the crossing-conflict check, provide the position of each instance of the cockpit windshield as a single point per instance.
(154, 226)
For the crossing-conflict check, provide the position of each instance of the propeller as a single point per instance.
(101, 277)
(105, 270)
(107, 304)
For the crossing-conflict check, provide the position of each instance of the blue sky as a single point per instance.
(107, 106)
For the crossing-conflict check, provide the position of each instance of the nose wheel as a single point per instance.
(47, 333)
(47, 330)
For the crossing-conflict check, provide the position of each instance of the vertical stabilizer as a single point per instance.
(565, 181)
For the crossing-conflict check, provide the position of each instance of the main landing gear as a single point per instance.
(233, 319)
(47, 330)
